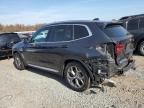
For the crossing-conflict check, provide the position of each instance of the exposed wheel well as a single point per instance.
(15, 52)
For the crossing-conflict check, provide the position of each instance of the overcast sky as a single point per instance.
(46, 11)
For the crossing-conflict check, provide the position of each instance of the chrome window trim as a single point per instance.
(88, 29)
(126, 24)
(138, 23)
(44, 68)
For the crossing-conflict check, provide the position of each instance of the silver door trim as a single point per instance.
(44, 68)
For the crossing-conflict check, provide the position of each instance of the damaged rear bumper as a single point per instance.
(107, 69)
(131, 65)
(119, 70)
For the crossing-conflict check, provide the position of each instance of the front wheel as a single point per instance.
(18, 63)
(77, 77)
(141, 48)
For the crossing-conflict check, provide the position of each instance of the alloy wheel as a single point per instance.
(75, 77)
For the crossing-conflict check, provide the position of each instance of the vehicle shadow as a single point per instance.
(48, 74)
(58, 78)
(136, 53)
(4, 58)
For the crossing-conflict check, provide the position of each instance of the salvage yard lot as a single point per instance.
(35, 88)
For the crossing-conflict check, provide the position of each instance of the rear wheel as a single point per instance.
(18, 62)
(141, 48)
(77, 77)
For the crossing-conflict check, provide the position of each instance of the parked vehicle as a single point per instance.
(24, 37)
(7, 40)
(135, 25)
(27, 33)
(84, 52)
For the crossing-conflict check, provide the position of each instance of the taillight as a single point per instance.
(119, 48)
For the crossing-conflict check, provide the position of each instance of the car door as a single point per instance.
(57, 46)
(35, 47)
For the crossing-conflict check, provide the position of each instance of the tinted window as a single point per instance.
(6, 39)
(80, 31)
(40, 36)
(116, 31)
(62, 33)
(13, 38)
(141, 24)
(133, 24)
(3, 40)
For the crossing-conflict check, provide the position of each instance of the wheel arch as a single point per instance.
(139, 42)
(78, 61)
(20, 56)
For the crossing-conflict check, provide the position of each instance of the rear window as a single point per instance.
(116, 31)
(14, 37)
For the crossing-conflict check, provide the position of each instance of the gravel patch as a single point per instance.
(35, 88)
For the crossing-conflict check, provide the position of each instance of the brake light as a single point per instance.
(119, 48)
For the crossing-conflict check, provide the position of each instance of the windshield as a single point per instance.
(116, 31)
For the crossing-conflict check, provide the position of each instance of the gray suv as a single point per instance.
(83, 52)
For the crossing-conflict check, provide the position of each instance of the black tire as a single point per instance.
(141, 48)
(18, 62)
(80, 81)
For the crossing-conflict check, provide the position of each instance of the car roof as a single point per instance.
(71, 22)
(99, 22)
(7, 33)
(131, 16)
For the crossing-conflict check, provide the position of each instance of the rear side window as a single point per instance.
(133, 24)
(116, 31)
(80, 31)
(62, 33)
(141, 24)
(13, 38)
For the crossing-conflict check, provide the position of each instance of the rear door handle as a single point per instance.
(52, 47)
(64, 46)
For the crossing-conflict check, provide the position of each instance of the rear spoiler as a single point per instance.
(109, 24)
(113, 24)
